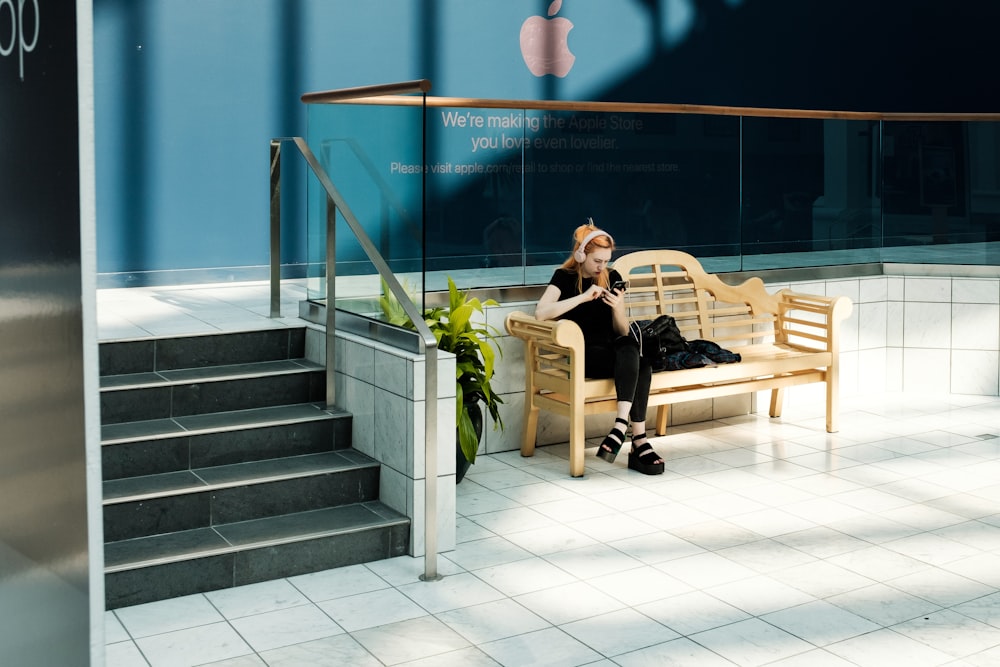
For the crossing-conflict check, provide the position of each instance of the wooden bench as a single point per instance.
(785, 339)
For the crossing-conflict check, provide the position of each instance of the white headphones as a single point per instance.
(580, 255)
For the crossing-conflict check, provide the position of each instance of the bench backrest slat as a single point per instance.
(673, 282)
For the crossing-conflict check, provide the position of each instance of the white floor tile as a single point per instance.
(524, 576)
(815, 658)
(114, 631)
(941, 587)
(405, 570)
(410, 640)
(716, 534)
(554, 539)
(328, 652)
(368, 610)
(256, 598)
(822, 542)
(156, 618)
(766, 556)
(491, 621)
(572, 602)
(123, 654)
(879, 563)
(592, 561)
(619, 632)
(883, 604)
(985, 609)
(514, 520)
(821, 579)
(658, 547)
(451, 592)
(705, 570)
(193, 646)
(951, 632)
(613, 527)
(692, 612)
(640, 585)
(486, 553)
(677, 653)
(542, 647)
(820, 623)
(338, 583)
(285, 627)
(931, 548)
(886, 647)
(760, 595)
(752, 642)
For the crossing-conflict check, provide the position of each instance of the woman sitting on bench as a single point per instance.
(581, 290)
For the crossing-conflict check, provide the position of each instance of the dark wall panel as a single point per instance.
(44, 591)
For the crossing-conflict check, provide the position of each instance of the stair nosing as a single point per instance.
(322, 414)
(260, 544)
(247, 481)
(305, 366)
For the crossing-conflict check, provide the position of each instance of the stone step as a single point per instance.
(132, 449)
(204, 497)
(197, 560)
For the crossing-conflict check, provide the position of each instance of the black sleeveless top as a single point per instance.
(593, 317)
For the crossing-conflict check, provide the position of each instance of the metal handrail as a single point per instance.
(344, 94)
(428, 343)
(378, 95)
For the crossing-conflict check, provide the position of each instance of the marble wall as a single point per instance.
(912, 333)
(383, 388)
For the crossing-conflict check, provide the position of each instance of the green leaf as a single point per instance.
(467, 436)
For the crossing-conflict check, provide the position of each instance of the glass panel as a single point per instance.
(651, 180)
(374, 157)
(809, 192)
(475, 193)
(942, 195)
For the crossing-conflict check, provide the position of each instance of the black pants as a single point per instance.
(621, 361)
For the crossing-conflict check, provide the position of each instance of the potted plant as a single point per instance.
(471, 344)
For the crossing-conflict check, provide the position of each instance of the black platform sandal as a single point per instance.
(609, 448)
(643, 459)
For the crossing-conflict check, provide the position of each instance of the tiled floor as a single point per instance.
(766, 542)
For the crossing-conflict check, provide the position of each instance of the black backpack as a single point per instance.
(660, 338)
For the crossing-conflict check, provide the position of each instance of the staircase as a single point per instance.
(222, 467)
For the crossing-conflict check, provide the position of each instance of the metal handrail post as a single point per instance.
(331, 309)
(275, 228)
(430, 465)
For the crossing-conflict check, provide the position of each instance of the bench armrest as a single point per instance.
(811, 321)
(545, 333)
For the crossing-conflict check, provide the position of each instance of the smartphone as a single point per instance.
(619, 286)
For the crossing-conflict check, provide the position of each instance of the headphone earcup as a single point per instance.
(580, 256)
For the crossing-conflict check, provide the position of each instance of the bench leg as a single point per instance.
(832, 402)
(777, 398)
(529, 433)
(577, 442)
(662, 416)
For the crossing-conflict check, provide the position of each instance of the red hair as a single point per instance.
(600, 239)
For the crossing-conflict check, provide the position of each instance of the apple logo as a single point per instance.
(544, 44)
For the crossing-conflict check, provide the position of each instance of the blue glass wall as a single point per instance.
(188, 94)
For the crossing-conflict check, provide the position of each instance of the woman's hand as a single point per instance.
(594, 292)
(613, 298)
(619, 317)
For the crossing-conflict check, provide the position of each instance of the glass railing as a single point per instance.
(375, 155)
(489, 192)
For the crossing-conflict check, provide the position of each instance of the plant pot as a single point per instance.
(476, 416)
